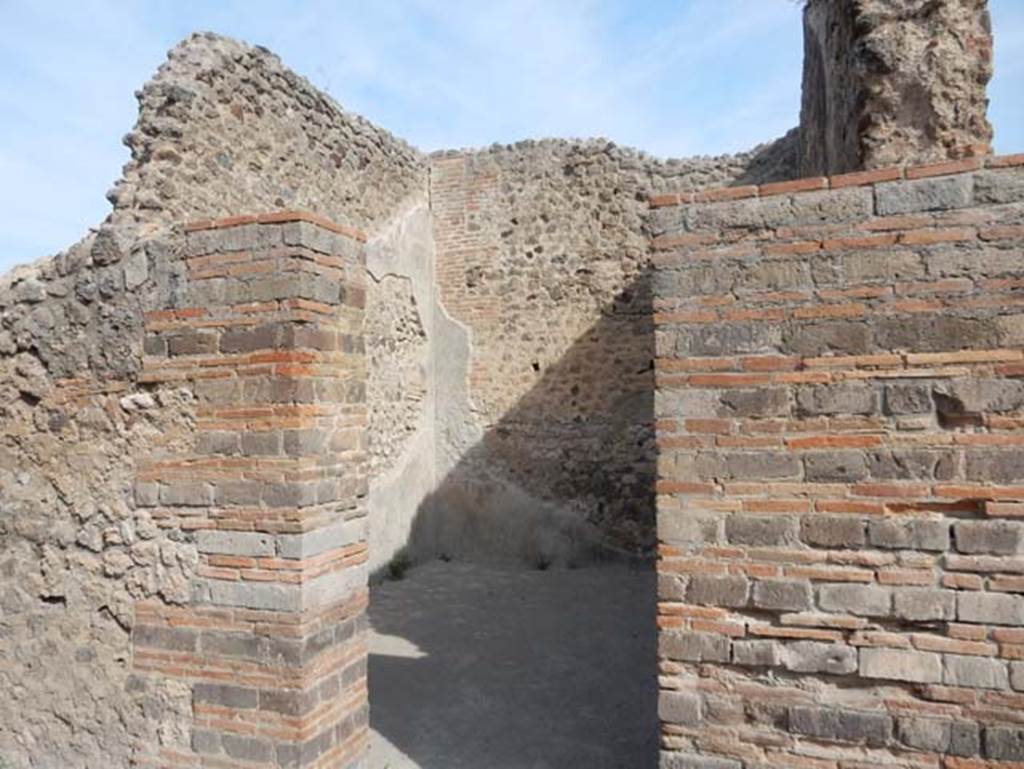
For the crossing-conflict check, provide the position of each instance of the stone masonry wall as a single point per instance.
(224, 128)
(840, 411)
(544, 442)
(183, 497)
(76, 553)
(893, 81)
(86, 556)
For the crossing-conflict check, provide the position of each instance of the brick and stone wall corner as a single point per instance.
(840, 429)
(267, 332)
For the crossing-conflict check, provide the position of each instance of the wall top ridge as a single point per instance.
(840, 181)
(276, 217)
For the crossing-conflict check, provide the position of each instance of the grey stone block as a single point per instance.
(713, 590)
(760, 402)
(822, 337)
(937, 735)
(694, 647)
(905, 197)
(249, 595)
(996, 186)
(739, 337)
(861, 600)
(1004, 743)
(833, 530)
(993, 537)
(298, 443)
(238, 492)
(232, 644)
(909, 534)
(225, 442)
(192, 343)
(688, 528)
(980, 396)
(835, 467)
(289, 702)
(994, 608)
(924, 603)
(912, 464)
(975, 672)
(247, 748)
(225, 695)
(844, 398)
(757, 653)
(760, 530)
(680, 708)
(852, 204)
(783, 594)
(263, 443)
(818, 657)
(317, 541)
(908, 399)
(761, 465)
(1004, 465)
(170, 639)
(840, 725)
(186, 494)
(235, 542)
(932, 333)
(901, 665)
(251, 339)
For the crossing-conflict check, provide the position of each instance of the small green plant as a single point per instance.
(399, 564)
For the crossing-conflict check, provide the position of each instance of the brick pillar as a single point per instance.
(267, 331)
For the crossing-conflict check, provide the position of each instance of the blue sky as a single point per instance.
(679, 78)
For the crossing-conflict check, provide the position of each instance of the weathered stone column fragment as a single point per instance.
(893, 81)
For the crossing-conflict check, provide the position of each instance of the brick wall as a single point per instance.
(266, 330)
(545, 437)
(840, 423)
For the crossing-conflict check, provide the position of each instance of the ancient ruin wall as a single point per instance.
(544, 442)
(76, 553)
(888, 82)
(840, 406)
(224, 128)
(109, 655)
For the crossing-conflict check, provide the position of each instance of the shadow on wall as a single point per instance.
(566, 476)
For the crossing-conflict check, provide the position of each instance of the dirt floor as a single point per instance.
(475, 667)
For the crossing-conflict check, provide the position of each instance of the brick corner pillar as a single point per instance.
(883, 86)
(267, 332)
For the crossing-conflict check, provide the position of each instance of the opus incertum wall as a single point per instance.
(266, 330)
(840, 406)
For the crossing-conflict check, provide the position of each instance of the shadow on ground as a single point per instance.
(524, 639)
(482, 667)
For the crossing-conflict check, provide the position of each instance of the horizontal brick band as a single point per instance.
(276, 217)
(842, 181)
